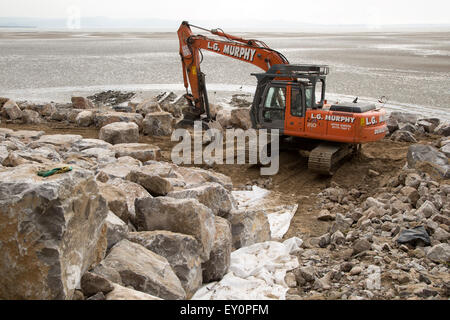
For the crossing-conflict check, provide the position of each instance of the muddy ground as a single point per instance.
(294, 183)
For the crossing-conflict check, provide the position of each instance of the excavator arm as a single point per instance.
(251, 51)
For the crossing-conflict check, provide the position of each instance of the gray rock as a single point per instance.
(92, 283)
(116, 199)
(427, 209)
(158, 124)
(428, 125)
(141, 151)
(82, 103)
(325, 215)
(361, 245)
(122, 293)
(212, 195)
(156, 184)
(117, 229)
(403, 136)
(120, 132)
(439, 253)
(12, 110)
(97, 296)
(182, 251)
(240, 118)
(51, 232)
(102, 119)
(31, 117)
(85, 119)
(219, 262)
(419, 153)
(133, 191)
(446, 150)
(186, 216)
(404, 117)
(130, 264)
(305, 274)
(337, 238)
(249, 227)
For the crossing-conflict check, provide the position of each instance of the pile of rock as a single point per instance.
(121, 224)
(392, 245)
(406, 126)
(153, 117)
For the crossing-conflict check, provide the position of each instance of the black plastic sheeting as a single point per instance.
(414, 236)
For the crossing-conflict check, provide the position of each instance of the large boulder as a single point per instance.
(187, 216)
(217, 266)
(392, 125)
(52, 230)
(156, 178)
(31, 117)
(158, 124)
(403, 136)
(181, 250)
(404, 117)
(27, 134)
(116, 199)
(92, 284)
(117, 170)
(224, 118)
(212, 195)
(85, 118)
(428, 124)
(84, 144)
(141, 151)
(446, 150)
(47, 110)
(12, 110)
(117, 230)
(60, 141)
(82, 103)
(148, 106)
(133, 191)
(101, 155)
(122, 293)
(130, 264)
(102, 119)
(419, 154)
(197, 176)
(240, 118)
(443, 129)
(120, 132)
(249, 227)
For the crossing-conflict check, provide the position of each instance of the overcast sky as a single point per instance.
(374, 12)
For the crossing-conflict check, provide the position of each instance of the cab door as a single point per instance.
(295, 112)
(273, 107)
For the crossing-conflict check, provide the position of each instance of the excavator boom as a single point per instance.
(247, 50)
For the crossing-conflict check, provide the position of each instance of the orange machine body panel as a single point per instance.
(337, 126)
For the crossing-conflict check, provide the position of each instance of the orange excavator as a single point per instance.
(288, 97)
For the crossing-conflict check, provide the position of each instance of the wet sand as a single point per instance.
(412, 69)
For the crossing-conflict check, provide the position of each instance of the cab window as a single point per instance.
(275, 104)
(276, 98)
(296, 103)
(308, 98)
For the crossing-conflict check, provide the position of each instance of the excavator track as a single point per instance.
(327, 157)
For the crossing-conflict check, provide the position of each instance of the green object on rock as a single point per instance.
(49, 173)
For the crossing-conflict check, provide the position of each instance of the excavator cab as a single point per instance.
(284, 94)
